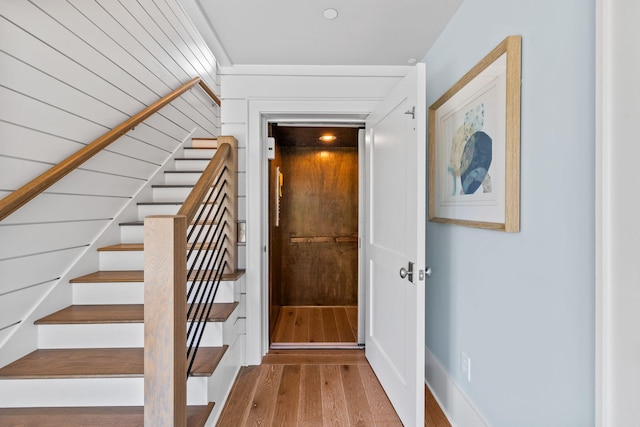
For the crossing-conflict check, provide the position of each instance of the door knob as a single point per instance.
(407, 272)
(428, 272)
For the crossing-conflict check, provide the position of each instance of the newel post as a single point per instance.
(165, 380)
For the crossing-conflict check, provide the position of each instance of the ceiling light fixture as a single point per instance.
(328, 138)
(330, 14)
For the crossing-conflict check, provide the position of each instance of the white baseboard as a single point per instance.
(455, 405)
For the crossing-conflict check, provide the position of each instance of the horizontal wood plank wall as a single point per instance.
(70, 72)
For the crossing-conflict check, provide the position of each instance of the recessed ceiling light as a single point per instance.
(412, 61)
(327, 138)
(330, 14)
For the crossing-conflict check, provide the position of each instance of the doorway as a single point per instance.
(314, 200)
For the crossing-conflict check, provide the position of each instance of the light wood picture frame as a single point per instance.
(474, 145)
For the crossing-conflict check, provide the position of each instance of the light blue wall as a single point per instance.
(522, 305)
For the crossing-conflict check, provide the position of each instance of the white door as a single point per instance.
(395, 150)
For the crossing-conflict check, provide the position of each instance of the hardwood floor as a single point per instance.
(433, 415)
(315, 388)
(316, 324)
(309, 388)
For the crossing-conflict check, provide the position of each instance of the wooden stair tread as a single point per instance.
(136, 223)
(111, 277)
(135, 247)
(204, 143)
(120, 276)
(122, 247)
(177, 202)
(122, 416)
(120, 313)
(98, 363)
(159, 203)
(141, 223)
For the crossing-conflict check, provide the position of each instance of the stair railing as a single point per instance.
(196, 246)
(33, 188)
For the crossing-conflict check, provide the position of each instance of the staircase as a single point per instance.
(89, 365)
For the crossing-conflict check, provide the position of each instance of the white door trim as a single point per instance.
(260, 112)
(617, 371)
(603, 283)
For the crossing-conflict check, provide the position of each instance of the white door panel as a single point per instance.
(395, 157)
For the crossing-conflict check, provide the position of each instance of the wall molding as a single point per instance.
(454, 403)
(317, 70)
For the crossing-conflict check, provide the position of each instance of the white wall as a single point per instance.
(252, 94)
(70, 71)
(617, 214)
(521, 305)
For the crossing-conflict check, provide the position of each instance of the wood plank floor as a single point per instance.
(315, 388)
(309, 388)
(433, 415)
(316, 324)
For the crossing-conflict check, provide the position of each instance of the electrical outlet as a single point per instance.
(465, 365)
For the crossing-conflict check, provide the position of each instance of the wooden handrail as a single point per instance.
(212, 95)
(24, 194)
(193, 202)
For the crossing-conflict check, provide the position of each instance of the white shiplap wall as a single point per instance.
(69, 72)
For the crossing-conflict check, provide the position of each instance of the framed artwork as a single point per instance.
(474, 145)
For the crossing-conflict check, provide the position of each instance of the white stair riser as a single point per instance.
(170, 194)
(181, 178)
(146, 210)
(108, 293)
(174, 194)
(134, 260)
(166, 209)
(122, 335)
(131, 233)
(199, 153)
(121, 260)
(191, 164)
(131, 293)
(226, 292)
(135, 233)
(87, 392)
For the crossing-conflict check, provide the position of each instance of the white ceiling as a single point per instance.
(294, 32)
